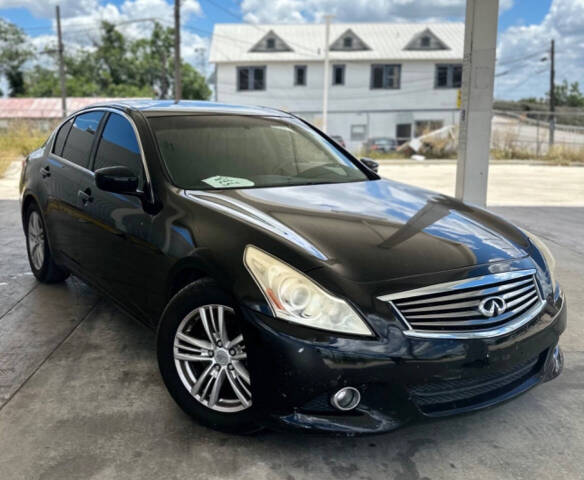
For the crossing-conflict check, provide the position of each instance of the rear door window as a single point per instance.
(118, 146)
(78, 145)
(61, 137)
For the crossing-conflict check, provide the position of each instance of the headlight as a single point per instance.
(296, 298)
(546, 253)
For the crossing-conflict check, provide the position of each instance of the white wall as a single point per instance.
(417, 88)
(348, 103)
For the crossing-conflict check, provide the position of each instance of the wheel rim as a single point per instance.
(211, 359)
(36, 240)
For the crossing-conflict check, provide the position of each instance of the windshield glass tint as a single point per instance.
(230, 151)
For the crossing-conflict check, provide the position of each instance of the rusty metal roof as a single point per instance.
(44, 108)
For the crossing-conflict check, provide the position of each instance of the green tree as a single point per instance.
(119, 67)
(111, 56)
(15, 51)
(161, 51)
(568, 95)
(194, 85)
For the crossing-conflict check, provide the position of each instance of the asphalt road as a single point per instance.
(81, 397)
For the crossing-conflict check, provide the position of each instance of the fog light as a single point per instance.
(346, 398)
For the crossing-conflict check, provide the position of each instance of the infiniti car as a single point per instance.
(289, 285)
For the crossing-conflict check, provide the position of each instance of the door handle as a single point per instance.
(45, 172)
(85, 196)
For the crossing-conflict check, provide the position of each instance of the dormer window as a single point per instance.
(348, 41)
(426, 40)
(271, 42)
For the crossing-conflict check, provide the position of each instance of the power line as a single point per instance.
(241, 41)
(257, 27)
(521, 59)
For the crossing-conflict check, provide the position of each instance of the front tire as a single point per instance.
(37, 246)
(202, 357)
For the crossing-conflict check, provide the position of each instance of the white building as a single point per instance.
(386, 80)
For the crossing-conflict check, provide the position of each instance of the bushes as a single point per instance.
(17, 140)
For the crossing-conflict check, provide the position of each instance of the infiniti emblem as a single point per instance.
(492, 306)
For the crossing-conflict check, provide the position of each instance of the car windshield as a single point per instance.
(233, 151)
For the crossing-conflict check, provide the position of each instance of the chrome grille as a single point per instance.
(483, 306)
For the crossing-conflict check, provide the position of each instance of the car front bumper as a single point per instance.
(400, 378)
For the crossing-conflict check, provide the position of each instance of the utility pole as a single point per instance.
(325, 87)
(478, 78)
(552, 92)
(177, 84)
(61, 63)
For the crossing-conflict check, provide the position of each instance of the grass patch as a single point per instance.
(18, 140)
(381, 155)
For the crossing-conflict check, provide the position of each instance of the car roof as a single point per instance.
(158, 107)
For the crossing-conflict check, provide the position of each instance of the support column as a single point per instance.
(478, 79)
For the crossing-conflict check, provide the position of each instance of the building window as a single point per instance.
(386, 76)
(300, 75)
(338, 74)
(348, 42)
(425, 41)
(358, 132)
(251, 78)
(449, 76)
(271, 43)
(403, 133)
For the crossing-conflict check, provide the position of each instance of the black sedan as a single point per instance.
(289, 285)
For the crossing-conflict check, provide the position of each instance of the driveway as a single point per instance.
(81, 397)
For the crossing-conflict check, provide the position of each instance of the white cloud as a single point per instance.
(294, 11)
(46, 8)
(521, 49)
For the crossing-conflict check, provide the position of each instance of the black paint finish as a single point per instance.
(358, 240)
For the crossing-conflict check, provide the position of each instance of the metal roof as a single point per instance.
(232, 42)
(40, 108)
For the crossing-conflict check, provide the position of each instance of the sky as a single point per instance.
(525, 27)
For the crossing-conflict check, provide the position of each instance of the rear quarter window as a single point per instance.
(62, 137)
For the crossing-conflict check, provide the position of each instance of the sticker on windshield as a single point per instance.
(228, 182)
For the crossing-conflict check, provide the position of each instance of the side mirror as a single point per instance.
(370, 164)
(117, 180)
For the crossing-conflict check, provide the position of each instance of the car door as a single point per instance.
(115, 244)
(66, 166)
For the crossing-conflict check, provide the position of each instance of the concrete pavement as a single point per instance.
(81, 397)
(510, 183)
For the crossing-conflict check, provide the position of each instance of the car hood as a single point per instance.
(374, 230)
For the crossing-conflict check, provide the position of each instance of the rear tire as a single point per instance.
(203, 358)
(37, 246)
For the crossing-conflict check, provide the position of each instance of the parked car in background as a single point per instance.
(339, 140)
(288, 284)
(380, 145)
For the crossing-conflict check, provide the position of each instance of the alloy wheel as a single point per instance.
(211, 359)
(36, 240)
